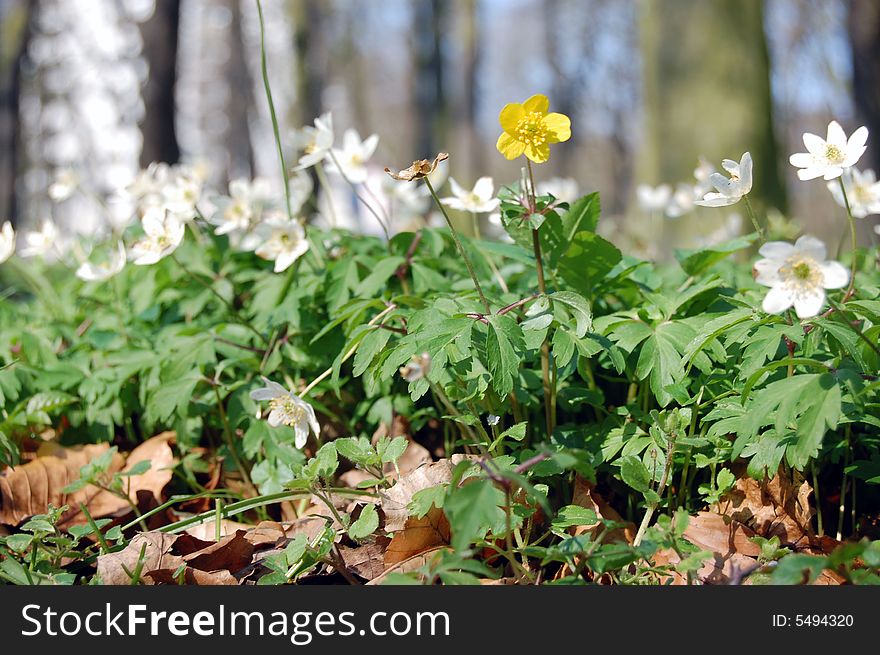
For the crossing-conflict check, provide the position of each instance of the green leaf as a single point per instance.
(579, 306)
(505, 338)
(422, 501)
(634, 473)
(376, 280)
(366, 524)
(586, 262)
(571, 516)
(390, 450)
(473, 510)
(695, 262)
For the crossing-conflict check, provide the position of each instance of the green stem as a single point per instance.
(646, 520)
(277, 134)
(754, 218)
(853, 240)
(549, 395)
(325, 184)
(460, 247)
(230, 443)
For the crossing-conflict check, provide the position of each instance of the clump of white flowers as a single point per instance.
(44, 243)
(829, 157)
(286, 408)
(798, 276)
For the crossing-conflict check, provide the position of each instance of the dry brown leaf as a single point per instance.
(395, 500)
(28, 489)
(413, 563)
(418, 535)
(231, 553)
(585, 495)
(156, 555)
(144, 490)
(193, 577)
(207, 530)
(367, 560)
(772, 508)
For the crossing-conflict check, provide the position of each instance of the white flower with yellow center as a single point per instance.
(243, 207)
(797, 275)
(862, 191)
(352, 158)
(163, 232)
(7, 241)
(829, 157)
(478, 200)
(43, 242)
(286, 408)
(314, 142)
(103, 270)
(729, 190)
(283, 241)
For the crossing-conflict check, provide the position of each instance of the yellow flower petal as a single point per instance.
(510, 116)
(538, 103)
(558, 127)
(509, 147)
(538, 154)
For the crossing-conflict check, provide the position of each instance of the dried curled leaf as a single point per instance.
(418, 169)
(29, 489)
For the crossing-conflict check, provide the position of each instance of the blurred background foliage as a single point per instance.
(104, 87)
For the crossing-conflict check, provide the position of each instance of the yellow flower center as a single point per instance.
(290, 411)
(833, 154)
(800, 272)
(531, 129)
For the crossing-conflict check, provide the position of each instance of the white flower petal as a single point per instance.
(811, 246)
(816, 145)
(836, 135)
(777, 300)
(776, 250)
(834, 274)
(807, 305)
(767, 272)
(802, 160)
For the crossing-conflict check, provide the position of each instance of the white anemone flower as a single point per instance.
(653, 199)
(103, 270)
(163, 232)
(63, 186)
(478, 200)
(7, 241)
(284, 241)
(181, 197)
(798, 275)
(41, 243)
(493, 419)
(315, 142)
(729, 190)
(244, 205)
(352, 158)
(286, 408)
(829, 157)
(862, 191)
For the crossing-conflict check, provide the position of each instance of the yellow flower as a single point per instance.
(529, 129)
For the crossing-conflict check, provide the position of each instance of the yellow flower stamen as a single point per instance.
(531, 129)
(833, 154)
(291, 413)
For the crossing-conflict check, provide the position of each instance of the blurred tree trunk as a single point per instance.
(308, 19)
(566, 82)
(16, 36)
(240, 102)
(466, 113)
(707, 91)
(160, 35)
(864, 32)
(429, 96)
